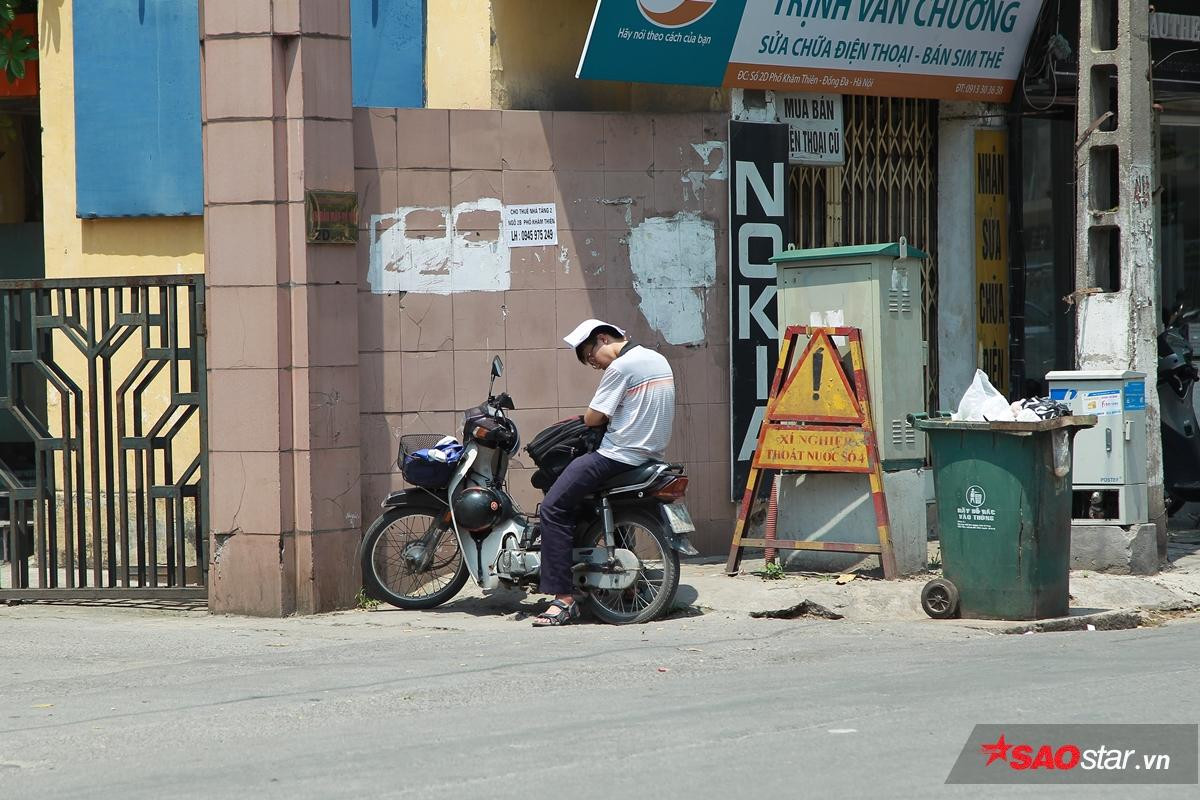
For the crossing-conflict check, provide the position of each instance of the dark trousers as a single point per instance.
(581, 477)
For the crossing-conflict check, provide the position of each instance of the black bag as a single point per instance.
(557, 446)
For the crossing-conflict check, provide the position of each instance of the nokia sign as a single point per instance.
(759, 228)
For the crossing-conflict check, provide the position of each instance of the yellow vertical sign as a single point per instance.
(991, 255)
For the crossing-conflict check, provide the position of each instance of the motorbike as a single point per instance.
(427, 542)
(1176, 381)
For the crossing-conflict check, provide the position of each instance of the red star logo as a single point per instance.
(997, 751)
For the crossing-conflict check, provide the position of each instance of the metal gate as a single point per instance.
(887, 189)
(103, 460)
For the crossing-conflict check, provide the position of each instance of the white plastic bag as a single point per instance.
(1027, 415)
(983, 403)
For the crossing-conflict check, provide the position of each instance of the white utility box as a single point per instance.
(1108, 469)
(876, 288)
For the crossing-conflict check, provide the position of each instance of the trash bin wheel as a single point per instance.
(939, 598)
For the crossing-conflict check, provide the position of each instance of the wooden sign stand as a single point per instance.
(816, 423)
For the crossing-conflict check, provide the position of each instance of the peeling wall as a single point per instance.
(434, 250)
(642, 212)
(674, 261)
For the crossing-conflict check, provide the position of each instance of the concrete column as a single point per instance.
(1116, 272)
(957, 334)
(282, 313)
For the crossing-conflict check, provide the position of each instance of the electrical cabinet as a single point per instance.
(876, 288)
(1108, 468)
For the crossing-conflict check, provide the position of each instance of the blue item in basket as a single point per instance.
(432, 467)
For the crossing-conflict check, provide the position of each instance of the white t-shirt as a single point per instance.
(637, 394)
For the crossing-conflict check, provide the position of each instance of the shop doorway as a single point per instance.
(1043, 263)
(887, 189)
(1179, 226)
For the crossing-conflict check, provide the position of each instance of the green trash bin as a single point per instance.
(1003, 492)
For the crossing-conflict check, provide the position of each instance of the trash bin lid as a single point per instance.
(927, 422)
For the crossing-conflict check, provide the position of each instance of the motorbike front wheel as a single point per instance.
(653, 592)
(410, 558)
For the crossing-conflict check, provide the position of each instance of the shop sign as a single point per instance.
(991, 255)
(815, 128)
(531, 225)
(941, 49)
(813, 449)
(331, 217)
(1180, 27)
(759, 228)
(661, 41)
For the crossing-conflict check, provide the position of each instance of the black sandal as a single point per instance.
(567, 613)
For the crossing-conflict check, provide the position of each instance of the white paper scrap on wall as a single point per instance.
(829, 319)
(531, 225)
(674, 261)
(436, 259)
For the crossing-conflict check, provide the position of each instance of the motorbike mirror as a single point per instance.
(497, 371)
(1190, 315)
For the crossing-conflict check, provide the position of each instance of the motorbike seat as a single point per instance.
(633, 476)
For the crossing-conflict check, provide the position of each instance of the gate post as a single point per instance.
(282, 312)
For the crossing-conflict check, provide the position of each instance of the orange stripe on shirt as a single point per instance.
(641, 387)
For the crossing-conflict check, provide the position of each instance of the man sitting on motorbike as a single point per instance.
(636, 399)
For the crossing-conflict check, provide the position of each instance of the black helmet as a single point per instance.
(478, 508)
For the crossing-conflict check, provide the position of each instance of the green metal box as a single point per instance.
(1003, 492)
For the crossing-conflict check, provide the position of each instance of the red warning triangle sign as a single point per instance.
(817, 389)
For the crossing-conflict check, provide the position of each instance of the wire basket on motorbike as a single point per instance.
(428, 460)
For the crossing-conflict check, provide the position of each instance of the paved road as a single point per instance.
(98, 702)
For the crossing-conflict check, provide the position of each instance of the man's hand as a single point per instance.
(594, 419)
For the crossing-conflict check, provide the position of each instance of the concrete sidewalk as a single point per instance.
(1107, 601)
(868, 598)
(706, 589)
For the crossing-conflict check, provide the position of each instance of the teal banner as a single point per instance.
(662, 41)
(945, 49)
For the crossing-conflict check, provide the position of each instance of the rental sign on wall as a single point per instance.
(943, 49)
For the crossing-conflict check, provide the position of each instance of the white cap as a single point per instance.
(584, 330)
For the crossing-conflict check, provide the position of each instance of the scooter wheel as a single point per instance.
(939, 598)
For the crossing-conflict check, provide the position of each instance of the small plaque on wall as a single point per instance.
(331, 217)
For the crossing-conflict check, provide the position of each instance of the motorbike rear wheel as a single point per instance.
(653, 592)
(391, 561)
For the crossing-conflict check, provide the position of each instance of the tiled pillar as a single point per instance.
(282, 317)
